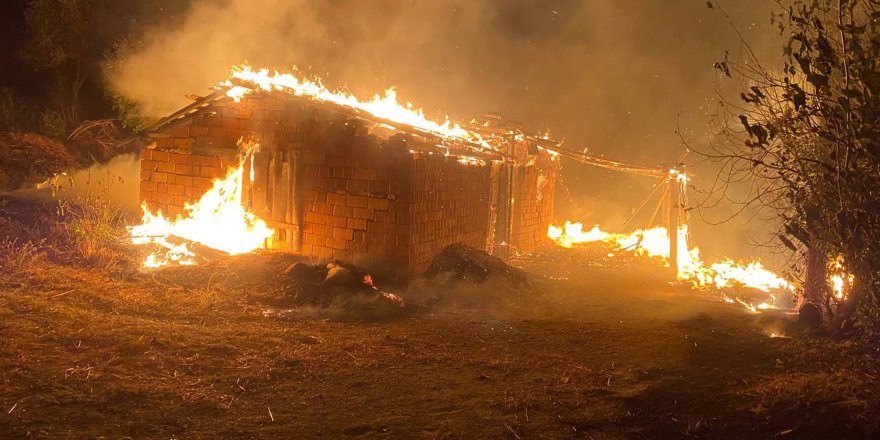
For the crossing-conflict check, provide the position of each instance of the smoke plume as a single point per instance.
(619, 77)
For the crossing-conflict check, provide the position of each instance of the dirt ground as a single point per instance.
(589, 349)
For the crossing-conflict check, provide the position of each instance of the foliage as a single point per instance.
(53, 125)
(810, 136)
(15, 113)
(69, 38)
(59, 39)
(130, 112)
(67, 50)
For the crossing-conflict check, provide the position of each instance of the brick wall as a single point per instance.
(333, 190)
(450, 204)
(356, 206)
(533, 190)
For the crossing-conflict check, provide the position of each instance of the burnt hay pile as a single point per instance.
(282, 281)
(459, 263)
(337, 290)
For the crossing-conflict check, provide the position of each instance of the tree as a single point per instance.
(69, 37)
(808, 136)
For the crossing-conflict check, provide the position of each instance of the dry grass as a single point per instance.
(17, 257)
(91, 232)
(223, 351)
(87, 231)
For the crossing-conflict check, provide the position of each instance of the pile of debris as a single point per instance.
(339, 290)
(461, 263)
(285, 281)
(27, 158)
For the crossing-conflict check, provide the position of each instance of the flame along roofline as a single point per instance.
(444, 145)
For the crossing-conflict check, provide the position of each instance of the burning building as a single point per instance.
(372, 183)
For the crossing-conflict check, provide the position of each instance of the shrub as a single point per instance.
(53, 125)
(92, 231)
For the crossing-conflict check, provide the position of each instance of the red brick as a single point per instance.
(382, 217)
(165, 167)
(164, 143)
(198, 130)
(358, 201)
(179, 158)
(342, 233)
(148, 164)
(160, 177)
(184, 180)
(322, 252)
(209, 161)
(145, 194)
(179, 131)
(356, 223)
(161, 156)
(362, 213)
(148, 186)
(209, 172)
(165, 198)
(378, 204)
(339, 222)
(205, 141)
(312, 217)
(183, 169)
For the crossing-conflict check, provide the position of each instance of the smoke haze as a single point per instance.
(615, 76)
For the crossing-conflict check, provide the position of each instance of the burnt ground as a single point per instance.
(585, 350)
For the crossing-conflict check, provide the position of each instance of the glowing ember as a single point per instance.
(841, 280)
(217, 221)
(383, 106)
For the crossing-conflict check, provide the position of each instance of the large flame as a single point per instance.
(218, 221)
(655, 242)
(386, 106)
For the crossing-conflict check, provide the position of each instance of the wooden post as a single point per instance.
(298, 205)
(672, 227)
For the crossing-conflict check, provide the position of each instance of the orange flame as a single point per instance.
(841, 280)
(218, 221)
(384, 106)
(655, 242)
